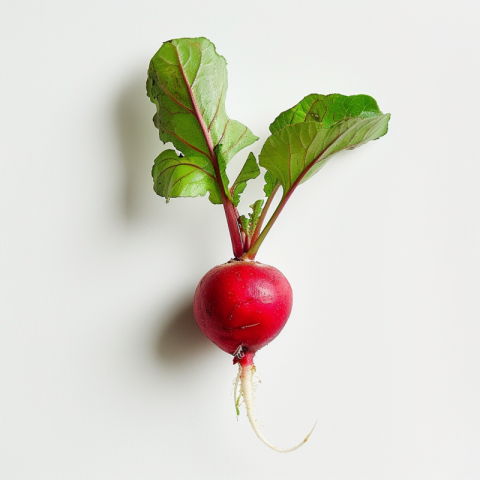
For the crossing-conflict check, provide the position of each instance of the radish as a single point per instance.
(243, 305)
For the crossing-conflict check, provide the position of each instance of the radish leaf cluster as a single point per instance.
(242, 305)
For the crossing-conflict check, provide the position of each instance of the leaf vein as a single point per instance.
(236, 143)
(180, 164)
(200, 63)
(175, 100)
(223, 134)
(211, 156)
(186, 143)
(218, 106)
(308, 112)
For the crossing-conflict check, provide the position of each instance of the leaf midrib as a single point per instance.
(196, 112)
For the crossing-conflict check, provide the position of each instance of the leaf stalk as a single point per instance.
(252, 252)
(263, 215)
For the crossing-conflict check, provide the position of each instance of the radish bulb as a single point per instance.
(241, 307)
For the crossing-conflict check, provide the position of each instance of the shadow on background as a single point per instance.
(139, 143)
(180, 340)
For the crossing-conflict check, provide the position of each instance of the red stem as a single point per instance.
(247, 244)
(233, 227)
(252, 251)
(230, 214)
(250, 255)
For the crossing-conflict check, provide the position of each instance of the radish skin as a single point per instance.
(242, 306)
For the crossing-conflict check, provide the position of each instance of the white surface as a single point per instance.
(103, 374)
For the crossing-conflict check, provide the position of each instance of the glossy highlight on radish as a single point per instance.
(242, 306)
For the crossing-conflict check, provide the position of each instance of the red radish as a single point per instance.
(242, 306)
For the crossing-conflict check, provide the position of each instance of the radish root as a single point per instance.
(236, 396)
(246, 389)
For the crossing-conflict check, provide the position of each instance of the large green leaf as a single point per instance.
(179, 176)
(249, 171)
(187, 81)
(327, 110)
(296, 152)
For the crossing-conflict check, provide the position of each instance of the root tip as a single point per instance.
(311, 431)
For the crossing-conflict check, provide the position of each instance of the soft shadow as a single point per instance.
(181, 340)
(139, 144)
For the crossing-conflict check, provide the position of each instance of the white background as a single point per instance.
(103, 373)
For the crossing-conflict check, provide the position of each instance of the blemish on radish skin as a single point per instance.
(248, 326)
(233, 311)
(243, 327)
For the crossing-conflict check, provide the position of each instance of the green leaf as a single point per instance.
(327, 110)
(296, 152)
(249, 224)
(245, 221)
(179, 176)
(187, 81)
(270, 183)
(249, 171)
